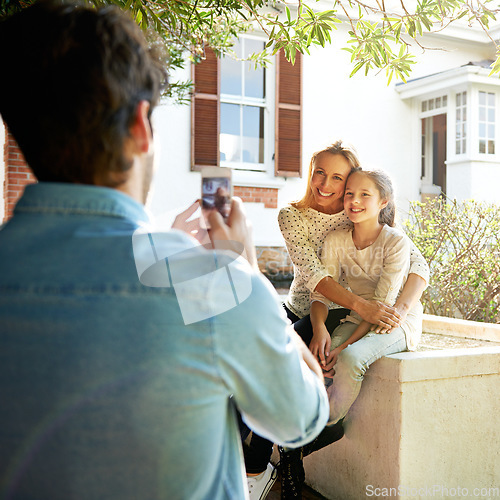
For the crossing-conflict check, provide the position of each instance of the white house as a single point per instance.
(437, 132)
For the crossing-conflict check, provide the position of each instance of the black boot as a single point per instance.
(292, 473)
(328, 435)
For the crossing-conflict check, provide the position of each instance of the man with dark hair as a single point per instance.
(124, 353)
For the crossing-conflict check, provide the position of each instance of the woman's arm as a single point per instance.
(374, 312)
(410, 295)
(321, 341)
(302, 253)
(418, 265)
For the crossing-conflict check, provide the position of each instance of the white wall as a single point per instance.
(363, 111)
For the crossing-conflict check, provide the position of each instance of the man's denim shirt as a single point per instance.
(111, 389)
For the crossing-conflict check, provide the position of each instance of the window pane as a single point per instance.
(431, 103)
(438, 102)
(482, 98)
(424, 105)
(445, 100)
(255, 78)
(482, 130)
(464, 98)
(253, 134)
(482, 146)
(231, 78)
(459, 114)
(230, 149)
(464, 150)
(491, 131)
(491, 114)
(491, 99)
(482, 114)
(491, 147)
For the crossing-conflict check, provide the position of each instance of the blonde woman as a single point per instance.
(304, 225)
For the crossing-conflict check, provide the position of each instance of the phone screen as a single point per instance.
(216, 193)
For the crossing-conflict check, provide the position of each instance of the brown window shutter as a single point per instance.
(205, 113)
(288, 139)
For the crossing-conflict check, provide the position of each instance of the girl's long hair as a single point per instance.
(337, 148)
(386, 190)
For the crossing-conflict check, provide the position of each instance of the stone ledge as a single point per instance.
(423, 421)
(461, 328)
(432, 365)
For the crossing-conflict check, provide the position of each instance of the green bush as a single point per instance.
(461, 243)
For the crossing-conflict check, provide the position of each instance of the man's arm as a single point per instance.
(275, 381)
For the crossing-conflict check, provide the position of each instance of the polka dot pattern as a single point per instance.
(304, 231)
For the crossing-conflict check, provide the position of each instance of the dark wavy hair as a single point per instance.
(74, 78)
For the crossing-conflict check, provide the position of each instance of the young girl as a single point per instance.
(375, 259)
(304, 225)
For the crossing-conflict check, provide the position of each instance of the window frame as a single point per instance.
(267, 103)
(285, 160)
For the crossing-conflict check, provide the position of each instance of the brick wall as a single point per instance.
(17, 174)
(268, 196)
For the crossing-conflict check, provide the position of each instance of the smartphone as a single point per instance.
(216, 189)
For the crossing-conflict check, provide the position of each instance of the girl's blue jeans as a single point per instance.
(353, 362)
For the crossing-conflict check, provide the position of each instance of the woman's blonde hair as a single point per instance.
(384, 185)
(337, 148)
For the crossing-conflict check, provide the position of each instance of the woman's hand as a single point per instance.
(378, 313)
(320, 343)
(402, 310)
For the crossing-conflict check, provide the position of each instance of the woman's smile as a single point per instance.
(328, 182)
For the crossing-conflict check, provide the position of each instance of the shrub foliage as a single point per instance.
(461, 243)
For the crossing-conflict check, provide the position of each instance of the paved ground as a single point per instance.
(307, 493)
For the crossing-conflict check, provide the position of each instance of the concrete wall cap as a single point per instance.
(440, 364)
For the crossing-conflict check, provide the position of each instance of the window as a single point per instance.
(243, 106)
(230, 111)
(460, 123)
(436, 103)
(487, 123)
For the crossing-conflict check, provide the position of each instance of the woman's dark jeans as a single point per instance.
(258, 453)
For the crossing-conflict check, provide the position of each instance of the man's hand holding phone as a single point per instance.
(233, 232)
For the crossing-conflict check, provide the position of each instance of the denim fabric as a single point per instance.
(353, 362)
(106, 392)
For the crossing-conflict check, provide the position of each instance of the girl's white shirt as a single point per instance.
(304, 231)
(377, 272)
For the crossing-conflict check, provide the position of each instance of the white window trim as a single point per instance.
(471, 79)
(258, 174)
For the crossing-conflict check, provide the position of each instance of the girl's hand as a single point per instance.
(320, 344)
(331, 361)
